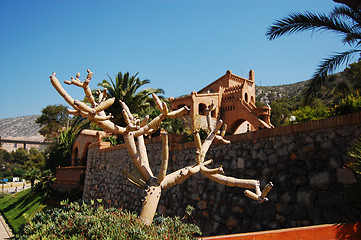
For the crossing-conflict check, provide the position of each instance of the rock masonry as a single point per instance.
(307, 168)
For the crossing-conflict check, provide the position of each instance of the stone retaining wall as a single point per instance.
(304, 161)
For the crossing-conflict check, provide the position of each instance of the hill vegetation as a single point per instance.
(267, 94)
(339, 95)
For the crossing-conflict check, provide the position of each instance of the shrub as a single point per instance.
(349, 104)
(81, 221)
(308, 113)
(4, 194)
(113, 140)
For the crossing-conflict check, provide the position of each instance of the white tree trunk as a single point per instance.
(150, 204)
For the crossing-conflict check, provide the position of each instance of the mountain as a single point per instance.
(20, 127)
(269, 93)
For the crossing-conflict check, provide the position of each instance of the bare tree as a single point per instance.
(136, 128)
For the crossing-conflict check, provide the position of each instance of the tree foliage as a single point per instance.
(281, 111)
(5, 157)
(19, 161)
(32, 175)
(52, 120)
(349, 104)
(353, 74)
(308, 113)
(59, 152)
(339, 95)
(175, 125)
(343, 20)
(128, 89)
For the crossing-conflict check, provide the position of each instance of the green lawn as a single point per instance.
(14, 206)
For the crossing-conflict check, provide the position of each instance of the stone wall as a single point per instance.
(304, 161)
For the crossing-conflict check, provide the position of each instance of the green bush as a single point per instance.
(349, 104)
(81, 221)
(114, 140)
(308, 113)
(3, 193)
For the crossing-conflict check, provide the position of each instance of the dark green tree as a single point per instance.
(128, 89)
(32, 175)
(281, 111)
(343, 20)
(36, 160)
(20, 156)
(52, 120)
(18, 172)
(175, 125)
(59, 152)
(5, 157)
(349, 104)
(308, 113)
(353, 74)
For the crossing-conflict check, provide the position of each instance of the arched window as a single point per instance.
(84, 159)
(76, 157)
(201, 109)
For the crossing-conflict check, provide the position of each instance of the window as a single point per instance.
(201, 109)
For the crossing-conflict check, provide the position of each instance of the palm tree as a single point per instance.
(343, 20)
(32, 175)
(127, 89)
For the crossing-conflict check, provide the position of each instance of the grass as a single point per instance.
(13, 207)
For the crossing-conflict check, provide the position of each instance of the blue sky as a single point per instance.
(179, 45)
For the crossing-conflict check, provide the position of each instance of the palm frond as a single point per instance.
(353, 14)
(353, 39)
(297, 22)
(328, 66)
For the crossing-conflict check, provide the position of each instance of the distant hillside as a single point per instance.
(267, 94)
(20, 127)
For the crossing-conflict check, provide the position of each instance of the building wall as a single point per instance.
(15, 145)
(234, 98)
(304, 161)
(81, 143)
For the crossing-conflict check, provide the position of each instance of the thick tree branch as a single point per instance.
(179, 176)
(165, 157)
(144, 156)
(135, 157)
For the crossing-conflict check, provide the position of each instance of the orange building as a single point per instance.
(234, 98)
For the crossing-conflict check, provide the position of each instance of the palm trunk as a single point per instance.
(150, 204)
